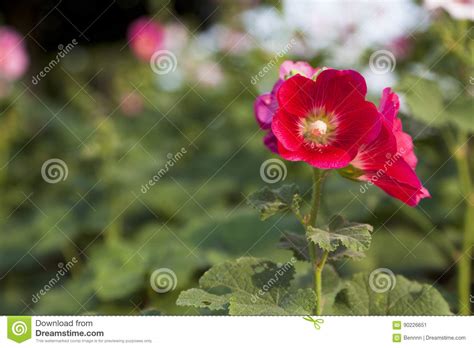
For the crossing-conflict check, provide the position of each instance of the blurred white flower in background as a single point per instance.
(176, 37)
(345, 29)
(221, 38)
(377, 82)
(268, 28)
(459, 9)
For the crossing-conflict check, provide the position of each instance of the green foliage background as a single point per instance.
(197, 215)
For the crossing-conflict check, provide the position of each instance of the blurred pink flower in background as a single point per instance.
(13, 56)
(131, 104)
(459, 9)
(401, 47)
(209, 74)
(145, 37)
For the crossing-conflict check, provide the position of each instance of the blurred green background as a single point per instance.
(115, 123)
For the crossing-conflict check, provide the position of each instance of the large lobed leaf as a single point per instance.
(341, 233)
(270, 202)
(250, 286)
(400, 296)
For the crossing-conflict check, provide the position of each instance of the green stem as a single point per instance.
(465, 261)
(318, 176)
(318, 282)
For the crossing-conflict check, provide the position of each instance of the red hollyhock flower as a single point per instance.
(389, 161)
(324, 122)
(266, 104)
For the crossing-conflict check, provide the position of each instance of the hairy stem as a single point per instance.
(318, 176)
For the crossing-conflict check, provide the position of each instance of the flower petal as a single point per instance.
(327, 157)
(263, 110)
(389, 105)
(357, 126)
(285, 128)
(271, 142)
(378, 153)
(338, 90)
(296, 95)
(303, 68)
(401, 182)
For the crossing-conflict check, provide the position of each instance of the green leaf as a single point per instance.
(388, 295)
(299, 302)
(341, 233)
(150, 312)
(297, 243)
(203, 299)
(460, 113)
(250, 286)
(127, 277)
(350, 172)
(424, 99)
(270, 202)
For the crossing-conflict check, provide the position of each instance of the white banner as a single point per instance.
(238, 332)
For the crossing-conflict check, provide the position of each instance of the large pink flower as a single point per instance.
(389, 161)
(324, 122)
(266, 104)
(145, 37)
(13, 56)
